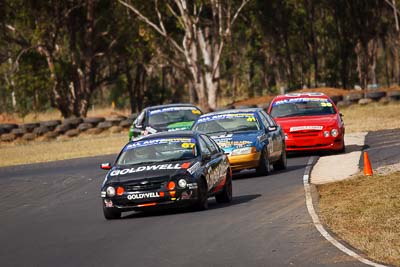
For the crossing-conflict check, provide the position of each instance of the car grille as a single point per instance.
(145, 185)
(305, 134)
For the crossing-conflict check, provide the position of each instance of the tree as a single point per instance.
(204, 27)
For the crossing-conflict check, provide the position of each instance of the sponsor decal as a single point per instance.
(194, 168)
(134, 196)
(146, 168)
(192, 186)
(158, 141)
(103, 193)
(301, 99)
(162, 110)
(302, 128)
(248, 116)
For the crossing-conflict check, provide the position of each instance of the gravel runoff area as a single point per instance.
(338, 167)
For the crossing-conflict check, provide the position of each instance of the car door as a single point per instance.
(214, 168)
(274, 131)
(270, 136)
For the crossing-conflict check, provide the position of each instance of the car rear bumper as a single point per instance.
(241, 162)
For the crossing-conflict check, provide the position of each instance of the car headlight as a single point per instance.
(110, 191)
(182, 183)
(334, 132)
(243, 150)
(326, 133)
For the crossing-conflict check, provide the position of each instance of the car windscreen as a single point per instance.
(230, 122)
(302, 107)
(171, 115)
(158, 150)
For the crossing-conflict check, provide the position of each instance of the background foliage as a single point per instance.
(102, 53)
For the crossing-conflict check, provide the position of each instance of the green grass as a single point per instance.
(365, 212)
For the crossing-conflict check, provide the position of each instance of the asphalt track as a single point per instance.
(50, 215)
(383, 147)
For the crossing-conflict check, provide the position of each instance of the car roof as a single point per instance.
(171, 105)
(167, 134)
(301, 95)
(229, 111)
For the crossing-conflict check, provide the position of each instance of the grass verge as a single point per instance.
(371, 117)
(82, 146)
(365, 212)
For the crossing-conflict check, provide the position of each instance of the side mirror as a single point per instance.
(272, 128)
(138, 126)
(206, 156)
(105, 166)
(341, 115)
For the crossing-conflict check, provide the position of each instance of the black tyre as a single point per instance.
(376, 95)
(111, 214)
(50, 124)
(8, 126)
(226, 195)
(74, 122)
(202, 203)
(94, 120)
(104, 125)
(264, 167)
(281, 164)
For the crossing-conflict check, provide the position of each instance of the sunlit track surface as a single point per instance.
(50, 215)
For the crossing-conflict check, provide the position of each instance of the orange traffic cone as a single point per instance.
(367, 165)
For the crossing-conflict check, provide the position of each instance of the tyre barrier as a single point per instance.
(126, 123)
(105, 125)
(8, 137)
(7, 127)
(41, 130)
(353, 97)
(85, 126)
(132, 116)
(29, 127)
(62, 128)
(29, 136)
(115, 120)
(50, 135)
(74, 122)
(51, 125)
(94, 120)
(72, 133)
(375, 95)
(18, 132)
(394, 95)
(336, 98)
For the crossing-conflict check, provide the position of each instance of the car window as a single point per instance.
(173, 115)
(302, 106)
(140, 119)
(271, 121)
(210, 144)
(229, 122)
(204, 147)
(158, 150)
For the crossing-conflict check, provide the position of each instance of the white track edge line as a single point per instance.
(319, 226)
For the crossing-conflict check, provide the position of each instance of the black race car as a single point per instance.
(181, 168)
(171, 117)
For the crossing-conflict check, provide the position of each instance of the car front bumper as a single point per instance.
(247, 161)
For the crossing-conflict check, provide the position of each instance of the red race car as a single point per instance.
(311, 122)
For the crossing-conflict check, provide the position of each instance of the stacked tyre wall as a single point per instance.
(68, 128)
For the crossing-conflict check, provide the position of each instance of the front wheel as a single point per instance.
(226, 195)
(111, 214)
(202, 202)
(264, 166)
(281, 164)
